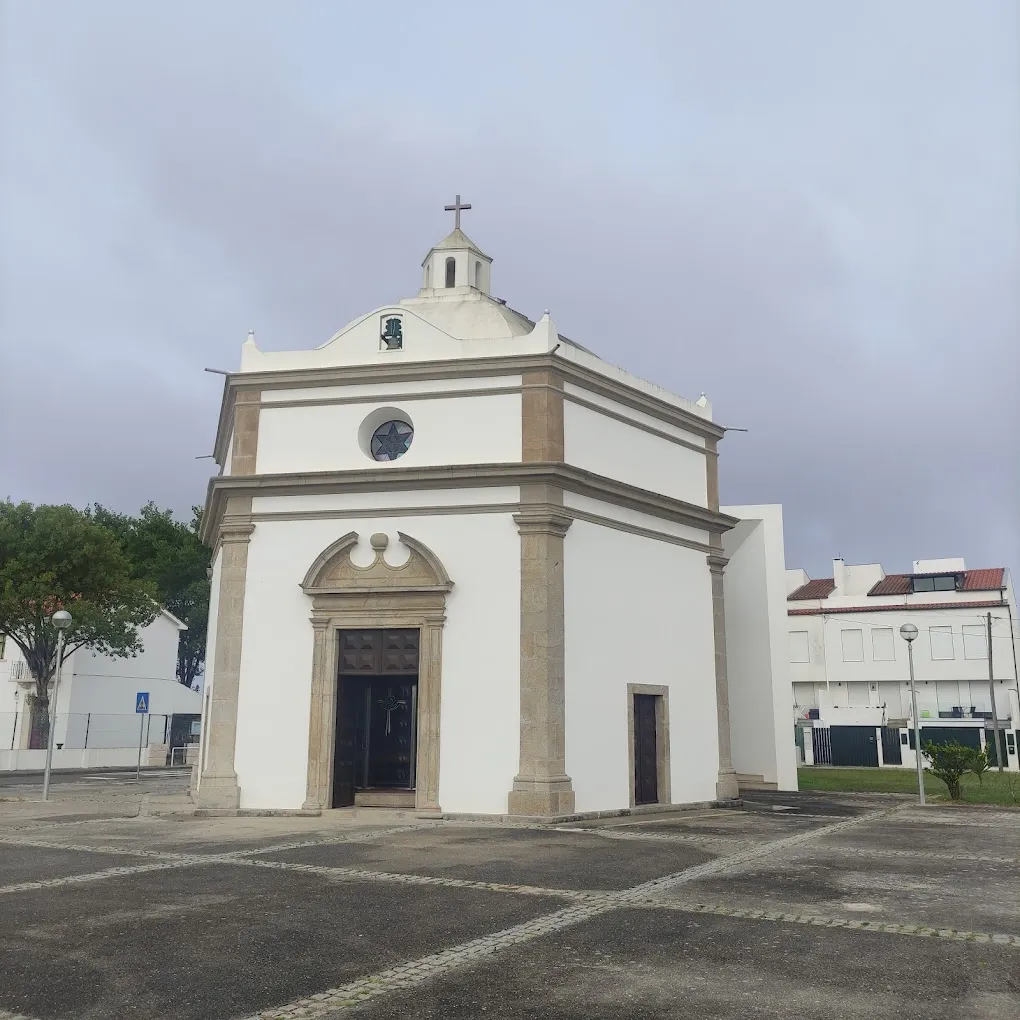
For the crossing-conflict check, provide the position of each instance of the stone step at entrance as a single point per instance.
(384, 798)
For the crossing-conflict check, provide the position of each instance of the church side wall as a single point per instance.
(480, 667)
(602, 444)
(447, 430)
(637, 610)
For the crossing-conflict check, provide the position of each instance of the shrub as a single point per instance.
(950, 763)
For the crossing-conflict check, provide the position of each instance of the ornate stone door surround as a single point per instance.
(348, 597)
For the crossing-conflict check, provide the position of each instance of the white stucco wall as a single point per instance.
(606, 446)
(100, 681)
(481, 654)
(447, 430)
(757, 667)
(637, 610)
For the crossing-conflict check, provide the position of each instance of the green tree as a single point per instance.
(169, 554)
(57, 557)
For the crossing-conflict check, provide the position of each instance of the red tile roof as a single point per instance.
(892, 584)
(973, 580)
(983, 604)
(819, 589)
(983, 580)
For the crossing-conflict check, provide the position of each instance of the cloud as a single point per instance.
(809, 213)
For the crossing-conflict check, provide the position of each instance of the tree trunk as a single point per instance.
(39, 722)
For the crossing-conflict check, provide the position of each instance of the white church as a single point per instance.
(463, 566)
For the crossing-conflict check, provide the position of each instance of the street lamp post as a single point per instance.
(909, 632)
(61, 619)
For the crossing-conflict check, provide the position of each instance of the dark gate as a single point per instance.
(969, 736)
(891, 748)
(646, 786)
(854, 745)
(821, 745)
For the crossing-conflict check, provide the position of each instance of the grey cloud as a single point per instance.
(809, 211)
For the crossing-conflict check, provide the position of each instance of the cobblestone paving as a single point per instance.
(837, 835)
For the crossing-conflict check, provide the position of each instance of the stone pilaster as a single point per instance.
(321, 718)
(218, 788)
(542, 787)
(429, 707)
(726, 784)
(246, 432)
(542, 417)
(712, 473)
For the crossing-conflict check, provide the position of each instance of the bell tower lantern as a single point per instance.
(456, 265)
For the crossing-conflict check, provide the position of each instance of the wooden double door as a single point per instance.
(376, 712)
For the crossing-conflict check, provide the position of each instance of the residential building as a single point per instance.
(848, 662)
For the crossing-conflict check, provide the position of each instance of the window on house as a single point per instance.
(853, 645)
(974, 644)
(941, 642)
(451, 272)
(799, 646)
(942, 582)
(883, 647)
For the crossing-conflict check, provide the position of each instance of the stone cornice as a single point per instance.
(395, 479)
(413, 371)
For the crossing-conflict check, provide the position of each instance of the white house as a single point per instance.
(462, 564)
(849, 664)
(96, 722)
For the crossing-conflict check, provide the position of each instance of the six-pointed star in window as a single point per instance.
(391, 440)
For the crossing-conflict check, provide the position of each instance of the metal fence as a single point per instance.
(88, 730)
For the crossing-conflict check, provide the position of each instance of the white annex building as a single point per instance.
(462, 564)
(96, 721)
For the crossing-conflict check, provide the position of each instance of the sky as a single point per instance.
(809, 211)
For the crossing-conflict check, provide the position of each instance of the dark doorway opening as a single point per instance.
(377, 713)
(646, 756)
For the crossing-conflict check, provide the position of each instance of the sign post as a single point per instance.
(142, 708)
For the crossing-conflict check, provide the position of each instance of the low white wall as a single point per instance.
(72, 758)
(636, 611)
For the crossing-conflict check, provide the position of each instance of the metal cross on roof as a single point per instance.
(456, 209)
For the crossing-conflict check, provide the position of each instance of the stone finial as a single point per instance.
(379, 541)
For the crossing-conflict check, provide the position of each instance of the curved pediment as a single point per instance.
(333, 572)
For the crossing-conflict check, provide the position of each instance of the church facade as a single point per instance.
(463, 565)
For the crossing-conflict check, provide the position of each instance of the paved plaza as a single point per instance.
(796, 906)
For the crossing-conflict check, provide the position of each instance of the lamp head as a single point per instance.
(61, 619)
(908, 632)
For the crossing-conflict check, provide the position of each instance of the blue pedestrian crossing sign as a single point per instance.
(142, 702)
